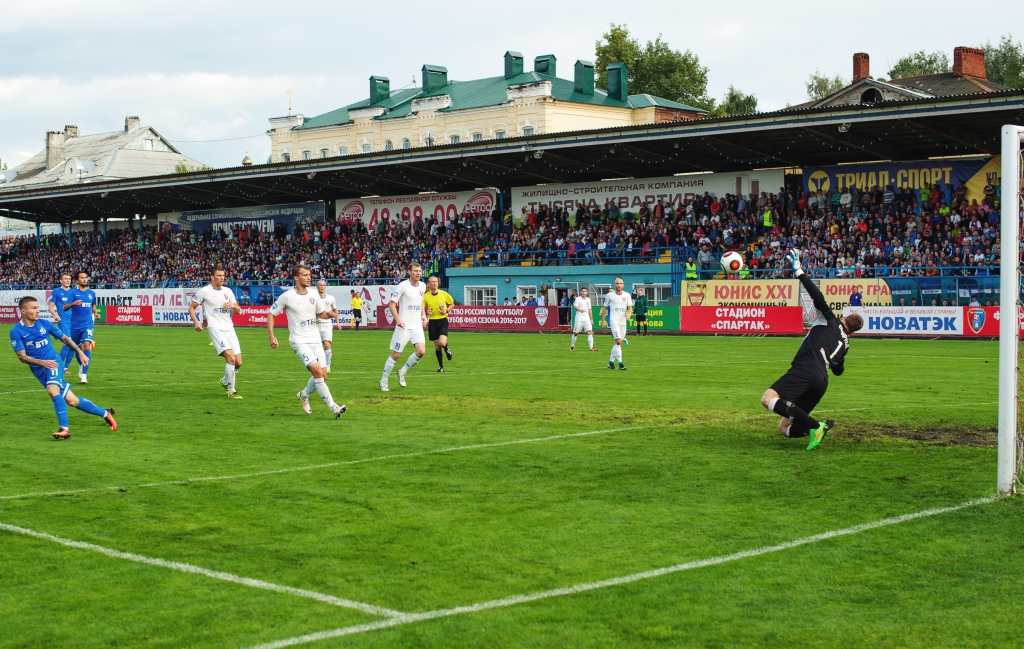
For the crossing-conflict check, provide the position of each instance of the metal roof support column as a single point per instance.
(39, 232)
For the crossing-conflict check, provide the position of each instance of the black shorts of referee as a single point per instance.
(803, 385)
(437, 328)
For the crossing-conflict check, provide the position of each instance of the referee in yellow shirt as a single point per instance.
(357, 309)
(435, 305)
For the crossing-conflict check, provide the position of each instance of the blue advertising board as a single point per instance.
(912, 175)
(262, 217)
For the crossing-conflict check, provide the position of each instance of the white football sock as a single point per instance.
(388, 366)
(229, 374)
(329, 353)
(573, 343)
(309, 389)
(324, 392)
(413, 359)
(617, 352)
(590, 341)
(611, 357)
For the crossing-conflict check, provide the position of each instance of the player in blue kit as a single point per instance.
(30, 338)
(59, 297)
(83, 317)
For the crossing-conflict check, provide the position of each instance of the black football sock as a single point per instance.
(645, 328)
(789, 410)
(798, 430)
(440, 362)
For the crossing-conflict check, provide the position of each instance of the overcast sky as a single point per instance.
(215, 70)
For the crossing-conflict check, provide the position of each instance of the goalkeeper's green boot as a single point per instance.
(818, 434)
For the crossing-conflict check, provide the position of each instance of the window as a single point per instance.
(526, 292)
(499, 135)
(286, 157)
(478, 137)
(602, 290)
(388, 146)
(307, 155)
(406, 144)
(342, 150)
(367, 148)
(527, 130)
(147, 144)
(454, 139)
(482, 296)
(656, 293)
(325, 153)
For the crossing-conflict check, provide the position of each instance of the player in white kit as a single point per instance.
(218, 303)
(326, 327)
(583, 322)
(406, 307)
(304, 306)
(618, 306)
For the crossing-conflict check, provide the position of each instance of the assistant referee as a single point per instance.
(436, 303)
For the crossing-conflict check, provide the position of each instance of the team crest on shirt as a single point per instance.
(542, 315)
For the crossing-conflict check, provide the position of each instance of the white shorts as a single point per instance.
(326, 331)
(224, 340)
(403, 337)
(618, 330)
(310, 353)
(582, 325)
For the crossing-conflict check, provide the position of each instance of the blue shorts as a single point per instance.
(65, 324)
(79, 336)
(52, 377)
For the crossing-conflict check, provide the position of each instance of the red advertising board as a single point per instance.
(740, 320)
(256, 316)
(984, 320)
(133, 315)
(491, 318)
(9, 314)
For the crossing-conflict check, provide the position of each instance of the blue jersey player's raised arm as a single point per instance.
(83, 317)
(30, 338)
(59, 298)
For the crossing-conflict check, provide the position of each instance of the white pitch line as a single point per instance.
(213, 574)
(313, 467)
(410, 618)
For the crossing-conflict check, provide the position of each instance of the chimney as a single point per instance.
(618, 81)
(131, 123)
(545, 64)
(969, 62)
(513, 64)
(584, 78)
(54, 148)
(435, 77)
(70, 132)
(861, 66)
(380, 89)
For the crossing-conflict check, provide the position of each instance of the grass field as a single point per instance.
(487, 506)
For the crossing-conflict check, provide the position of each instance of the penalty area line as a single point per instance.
(514, 600)
(212, 574)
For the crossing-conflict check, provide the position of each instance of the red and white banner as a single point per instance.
(442, 207)
(9, 313)
(741, 319)
(131, 315)
(256, 316)
(491, 318)
(984, 320)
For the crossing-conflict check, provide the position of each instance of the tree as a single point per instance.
(919, 63)
(654, 69)
(1004, 63)
(183, 168)
(819, 86)
(736, 103)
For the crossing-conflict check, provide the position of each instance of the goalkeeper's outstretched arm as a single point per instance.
(819, 300)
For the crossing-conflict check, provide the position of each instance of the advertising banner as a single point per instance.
(414, 207)
(910, 320)
(256, 316)
(659, 318)
(984, 320)
(9, 313)
(741, 292)
(912, 175)
(630, 194)
(263, 218)
(132, 315)
(837, 292)
(167, 315)
(495, 318)
(741, 320)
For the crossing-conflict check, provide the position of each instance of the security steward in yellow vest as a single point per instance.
(690, 269)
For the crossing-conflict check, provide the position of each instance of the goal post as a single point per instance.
(1009, 309)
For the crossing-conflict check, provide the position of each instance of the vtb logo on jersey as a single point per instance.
(976, 319)
(542, 315)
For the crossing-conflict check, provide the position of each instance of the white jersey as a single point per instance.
(330, 304)
(617, 306)
(583, 308)
(302, 310)
(212, 301)
(409, 299)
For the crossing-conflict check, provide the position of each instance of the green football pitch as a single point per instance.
(527, 497)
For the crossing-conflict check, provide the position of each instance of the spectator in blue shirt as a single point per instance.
(856, 298)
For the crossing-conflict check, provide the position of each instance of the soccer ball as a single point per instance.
(732, 262)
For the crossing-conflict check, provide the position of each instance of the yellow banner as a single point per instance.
(837, 292)
(742, 292)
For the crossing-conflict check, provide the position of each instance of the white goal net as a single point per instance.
(1011, 420)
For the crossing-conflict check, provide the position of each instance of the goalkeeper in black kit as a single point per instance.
(824, 348)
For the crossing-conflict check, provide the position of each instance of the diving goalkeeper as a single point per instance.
(824, 348)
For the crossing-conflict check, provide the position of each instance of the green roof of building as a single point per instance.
(491, 91)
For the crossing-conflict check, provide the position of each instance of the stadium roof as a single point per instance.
(894, 130)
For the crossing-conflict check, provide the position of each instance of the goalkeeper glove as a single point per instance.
(794, 262)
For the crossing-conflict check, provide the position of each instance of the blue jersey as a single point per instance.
(81, 316)
(35, 340)
(59, 298)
